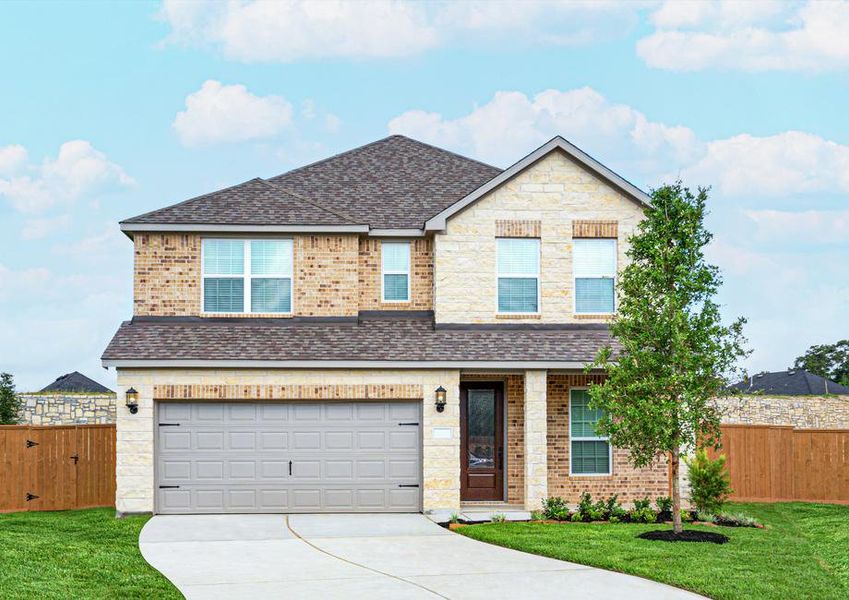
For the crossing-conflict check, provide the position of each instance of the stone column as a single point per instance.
(536, 439)
(134, 445)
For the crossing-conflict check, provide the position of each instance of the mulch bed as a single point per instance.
(688, 535)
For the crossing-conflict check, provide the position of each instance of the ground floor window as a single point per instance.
(590, 453)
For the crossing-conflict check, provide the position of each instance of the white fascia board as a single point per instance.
(438, 222)
(341, 364)
(396, 233)
(214, 228)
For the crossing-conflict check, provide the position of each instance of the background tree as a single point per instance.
(827, 360)
(9, 403)
(676, 356)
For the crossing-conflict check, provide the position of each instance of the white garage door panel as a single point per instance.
(289, 457)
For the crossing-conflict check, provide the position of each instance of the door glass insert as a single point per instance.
(481, 429)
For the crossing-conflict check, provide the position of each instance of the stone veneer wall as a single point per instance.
(421, 276)
(167, 275)
(555, 192)
(803, 412)
(628, 482)
(135, 433)
(66, 409)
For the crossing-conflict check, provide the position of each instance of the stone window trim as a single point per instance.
(537, 276)
(384, 271)
(246, 278)
(606, 439)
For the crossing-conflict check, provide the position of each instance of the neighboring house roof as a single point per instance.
(393, 183)
(437, 222)
(789, 383)
(76, 382)
(402, 340)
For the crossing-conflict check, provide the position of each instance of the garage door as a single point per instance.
(288, 457)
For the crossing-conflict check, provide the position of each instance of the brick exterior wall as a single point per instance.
(166, 274)
(626, 481)
(421, 276)
(530, 229)
(595, 229)
(252, 392)
(802, 412)
(555, 191)
(325, 273)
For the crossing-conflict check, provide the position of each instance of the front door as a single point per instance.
(481, 439)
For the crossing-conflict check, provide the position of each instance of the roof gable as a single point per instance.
(556, 144)
(76, 382)
(795, 382)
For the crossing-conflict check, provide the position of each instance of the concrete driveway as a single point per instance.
(363, 556)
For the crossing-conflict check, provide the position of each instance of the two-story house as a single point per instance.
(395, 328)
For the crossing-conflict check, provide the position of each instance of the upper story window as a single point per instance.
(247, 276)
(595, 275)
(590, 452)
(518, 275)
(396, 271)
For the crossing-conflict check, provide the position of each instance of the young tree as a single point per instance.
(676, 355)
(9, 403)
(827, 360)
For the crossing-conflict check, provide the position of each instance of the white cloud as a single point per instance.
(286, 31)
(218, 113)
(108, 243)
(750, 36)
(36, 229)
(792, 162)
(12, 158)
(511, 124)
(79, 169)
(810, 226)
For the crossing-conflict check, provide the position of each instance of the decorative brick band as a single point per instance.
(529, 229)
(595, 229)
(289, 392)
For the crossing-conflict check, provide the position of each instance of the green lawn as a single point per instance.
(802, 553)
(76, 554)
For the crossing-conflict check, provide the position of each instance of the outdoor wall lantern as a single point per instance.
(132, 399)
(440, 398)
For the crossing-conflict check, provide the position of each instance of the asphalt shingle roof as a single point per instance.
(789, 383)
(395, 339)
(76, 382)
(392, 183)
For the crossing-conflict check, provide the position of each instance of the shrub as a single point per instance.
(705, 517)
(664, 504)
(613, 511)
(537, 515)
(736, 520)
(455, 518)
(591, 511)
(686, 515)
(710, 485)
(498, 518)
(642, 512)
(555, 508)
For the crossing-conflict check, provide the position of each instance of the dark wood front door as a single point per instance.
(481, 441)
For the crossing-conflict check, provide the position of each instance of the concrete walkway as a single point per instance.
(363, 556)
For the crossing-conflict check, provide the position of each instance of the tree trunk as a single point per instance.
(677, 526)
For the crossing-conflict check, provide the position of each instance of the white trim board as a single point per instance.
(339, 364)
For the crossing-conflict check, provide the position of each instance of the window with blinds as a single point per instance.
(247, 276)
(396, 271)
(590, 453)
(518, 275)
(594, 264)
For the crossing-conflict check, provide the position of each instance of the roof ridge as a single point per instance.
(309, 201)
(445, 151)
(232, 187)
(329, 158)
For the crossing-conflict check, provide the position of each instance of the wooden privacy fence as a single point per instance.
(56, 467)
(770, 463)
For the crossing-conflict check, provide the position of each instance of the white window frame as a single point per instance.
(615, 280)
(246, 277)
(587, 439)
(384, 272)
(518, 276)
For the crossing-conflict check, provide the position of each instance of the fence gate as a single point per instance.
(56, 467)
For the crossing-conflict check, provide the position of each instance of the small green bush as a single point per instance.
(498, 518)
(736, 520)
(705, 517)
(537, 515)
(710, 484)
(613, 510)
(555, 508)
(664, 504)
(642, 512)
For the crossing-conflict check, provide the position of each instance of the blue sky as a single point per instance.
(109, 110)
